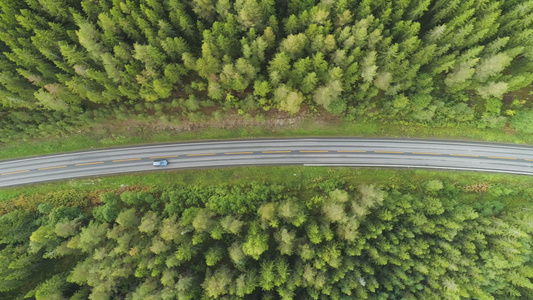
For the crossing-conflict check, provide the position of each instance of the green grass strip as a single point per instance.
(103, 137)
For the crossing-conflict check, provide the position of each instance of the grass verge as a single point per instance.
(121, 134)
(511, 189)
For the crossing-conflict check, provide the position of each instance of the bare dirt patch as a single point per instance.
(271, 120)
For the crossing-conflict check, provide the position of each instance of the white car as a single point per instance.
(161, 162)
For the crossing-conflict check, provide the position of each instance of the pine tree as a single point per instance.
(250, 14)
(16, 91)
(492, 66)
(256, 242)
(383, 81)
(208, 64)
(204, 9)
(457, 79)
(50, 98)
(493, 89)
(291, 103)
(292, 25)
(261, 88)
(294, 45)
(59, 9)
(53, 288)
(325, 95)
(214, 255)
(217, 284)
(175, 47)
(151, 56)
(309, 82)
(333, 212)
(89, 38)
(369, 66)
(169, 229)
(149, 222)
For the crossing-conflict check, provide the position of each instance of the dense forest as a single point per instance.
(326, 240)
(426, 61)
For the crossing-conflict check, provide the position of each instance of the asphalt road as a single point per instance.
(401, 153)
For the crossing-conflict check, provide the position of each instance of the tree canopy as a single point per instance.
(268, 241)
(348, 56)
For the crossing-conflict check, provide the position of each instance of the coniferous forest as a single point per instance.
(65, 64)
(425, 61)
(326, 240)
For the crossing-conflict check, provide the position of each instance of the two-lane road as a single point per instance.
(305, 151)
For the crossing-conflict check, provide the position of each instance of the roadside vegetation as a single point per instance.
(113, 133)
(308, 232)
